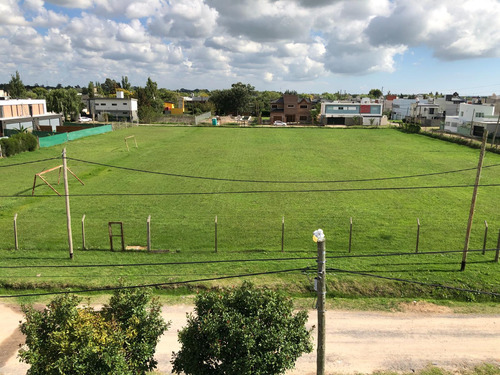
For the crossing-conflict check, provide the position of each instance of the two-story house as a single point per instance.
(119, 108)
(352, 113)
(472, 119)
(27, 114)
(291, 109)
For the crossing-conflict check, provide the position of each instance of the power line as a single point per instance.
(255, 191)
(155, 285)
(27, 162)
(415, 282)
(273, 181)
(121, 265)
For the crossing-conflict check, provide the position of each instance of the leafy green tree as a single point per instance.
(66, 339)
(66, 102)
(90, 89)
(168, 96)
(109, 87)
(150, 105)
(375, 93)
(41, 92)
(125, 83)
(16, 87)
(244, 331)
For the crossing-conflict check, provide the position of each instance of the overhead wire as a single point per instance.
(274, 181)
(154, 285)
(345, 190)
(360, 273)
(121, 265)
(27, 162)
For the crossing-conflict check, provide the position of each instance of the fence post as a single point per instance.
(418, 234)
(350, 234)
(83, 233)
(283, 234)
(16, 243)
(148, 225)
(498, 248)
(215, 233)
(485, 236)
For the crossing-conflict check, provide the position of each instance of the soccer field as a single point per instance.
(250, 179)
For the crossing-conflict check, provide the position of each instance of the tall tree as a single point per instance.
(91, 90)
(16, 87)
(375, 93)
(125, 83)
(66, 102)
(109, 86)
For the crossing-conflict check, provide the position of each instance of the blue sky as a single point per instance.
(314, 46)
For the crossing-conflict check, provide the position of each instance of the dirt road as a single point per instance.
(357, 342)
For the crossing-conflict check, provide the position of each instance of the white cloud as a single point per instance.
(77, 4)
(11, 14)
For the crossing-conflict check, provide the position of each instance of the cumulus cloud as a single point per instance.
(11, 14)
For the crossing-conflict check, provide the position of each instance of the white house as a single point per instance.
(472, 119)
(118, 108)
(26, 113)
(350, 113)
(401, 108)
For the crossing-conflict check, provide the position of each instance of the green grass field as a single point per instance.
(249, 213)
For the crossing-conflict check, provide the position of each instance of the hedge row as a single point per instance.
(17, 143)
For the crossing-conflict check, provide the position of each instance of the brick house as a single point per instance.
(291, 109)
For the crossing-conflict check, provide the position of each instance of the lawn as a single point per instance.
(251, 179)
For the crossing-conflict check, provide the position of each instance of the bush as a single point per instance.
(242, 331)
(65, 339)
(18, 143)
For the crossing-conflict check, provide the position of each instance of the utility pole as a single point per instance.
(473, 202)
(319, 237)
(492, 140)
(66, 197)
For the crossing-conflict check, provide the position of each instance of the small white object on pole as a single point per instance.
(318, 235)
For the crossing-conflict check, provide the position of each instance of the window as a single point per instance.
(125, 113)
(114, 104)
(431, 111)
(274, 106)
(303, 106)
(479, 114)
(303, 118)
(124, 103)
(341, 108)
(291, 106)
(103, 103)
(462, 113)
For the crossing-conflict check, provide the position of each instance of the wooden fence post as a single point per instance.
(16, 243)
(149, 232)
(485, 236)
(283, 234)
(498, 248)
(418, 234)
(83, 233)
(350, 234)
(215, 233)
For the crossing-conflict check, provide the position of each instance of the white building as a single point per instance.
(109, 109)
(30, 114)
(350, 113)
(472, 119)
(401, 108)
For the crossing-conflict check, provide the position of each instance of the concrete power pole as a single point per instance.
(319, 237)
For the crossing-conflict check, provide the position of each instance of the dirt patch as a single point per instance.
(423, 307)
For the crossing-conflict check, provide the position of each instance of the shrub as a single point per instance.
(18, 142)
(242, 331)
(65, 339)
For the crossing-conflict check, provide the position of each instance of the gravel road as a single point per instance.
(357, 342)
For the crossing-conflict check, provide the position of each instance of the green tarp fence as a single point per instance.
(58, 139)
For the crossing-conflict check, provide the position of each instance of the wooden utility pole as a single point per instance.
(148, 225)
(83, 233)
(496, 131)
(16, 242)
(283, 234)
(321, 286)
(66, 196)
(418, 234)
(485, 236)
(215, 233)
(350, 234)
(473, 202)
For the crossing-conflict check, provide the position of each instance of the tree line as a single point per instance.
(240, 99)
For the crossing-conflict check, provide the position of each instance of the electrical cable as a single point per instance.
(359, 273)
(275, 182)
(155, 285)
(254, 191)
(239, 260)
(27, 162)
